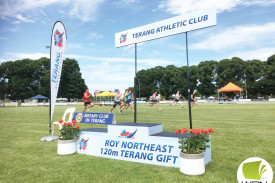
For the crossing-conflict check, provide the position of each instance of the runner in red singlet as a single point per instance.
(87, 100)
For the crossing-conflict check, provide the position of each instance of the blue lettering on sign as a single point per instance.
(56, 67)
(184, 23)
(144, 33)
(147, 147)
(170, 26)
(174, 25)
(166, 158)
(111, 143)
(199, 19)
(139, 150)
(136, 155)
(158, 30)
(205, 17)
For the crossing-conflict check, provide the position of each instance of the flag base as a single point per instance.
(49, 138)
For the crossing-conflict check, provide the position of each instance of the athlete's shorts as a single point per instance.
(176, 100)
(116, 103)
(127, 102)
(154, 101)
(86, 103)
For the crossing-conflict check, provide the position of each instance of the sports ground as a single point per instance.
(241, 131)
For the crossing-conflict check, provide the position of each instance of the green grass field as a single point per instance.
(241, 131)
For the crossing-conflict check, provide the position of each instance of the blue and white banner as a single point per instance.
(94, 118)
(166, 27)
(133, 142)
(157, 151)
(57, 53)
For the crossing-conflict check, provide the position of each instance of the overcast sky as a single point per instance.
(245, 28)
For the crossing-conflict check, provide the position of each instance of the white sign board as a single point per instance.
(167, 27)
(137, 143)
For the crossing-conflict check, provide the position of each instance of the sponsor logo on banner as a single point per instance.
(58, 38)
(255, 170)
(128, 135)
(83, 144)
(123, 38)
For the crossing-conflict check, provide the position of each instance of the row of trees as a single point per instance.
(23, 79)
(255, 76)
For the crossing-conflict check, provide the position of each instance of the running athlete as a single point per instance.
(192, 99)
(177, 99)
(87, 100)
(154, 100)
(125, 96)
(117, 101)
(128, 101)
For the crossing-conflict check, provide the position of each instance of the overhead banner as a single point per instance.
(57, 52)
(167, 27)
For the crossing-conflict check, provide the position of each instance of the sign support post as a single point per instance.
(188, 83)
(135, 86)
(50, 103)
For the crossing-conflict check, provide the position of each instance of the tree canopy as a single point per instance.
(25, 78)
(255, 76)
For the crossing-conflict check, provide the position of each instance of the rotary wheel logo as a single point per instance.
(78, 117)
